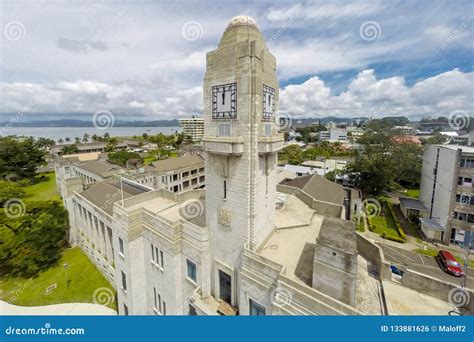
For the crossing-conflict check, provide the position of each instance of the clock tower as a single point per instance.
(241, 141)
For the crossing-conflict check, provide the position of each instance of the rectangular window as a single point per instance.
(201, 179)
(162, 260)
(225, 189)
(185, 184)
(268, 129)
(186, 174)
(121, 246)
(164, 308)
(224, 130)
(256, 309)
(124, 281)
(191, 270)
(201, 169)
(155, 304)
(125, 310)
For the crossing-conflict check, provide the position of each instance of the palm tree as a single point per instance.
(85, 137)
(95, 137)
(60, 141)
(77, 140)
(68, 139)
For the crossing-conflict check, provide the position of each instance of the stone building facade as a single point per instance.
(227, 249)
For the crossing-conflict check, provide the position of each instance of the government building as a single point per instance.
(241, 245)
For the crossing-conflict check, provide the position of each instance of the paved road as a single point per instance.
(423, 264)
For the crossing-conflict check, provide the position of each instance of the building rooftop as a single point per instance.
(466, 149)
(292, 246)
(105, 194)
(319, 188)
(432, 223)
(178, 163)
(100, 168)
(413, 203)
(339, 234)
(242, 21)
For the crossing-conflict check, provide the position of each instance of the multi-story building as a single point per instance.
(89, 172)
(194, 127)
(447, 191)
(333, 135)
(173, 174)
(237, 247)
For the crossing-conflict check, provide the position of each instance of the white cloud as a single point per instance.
(133, 58)
(436, 96)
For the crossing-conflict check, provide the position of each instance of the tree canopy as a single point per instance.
(19, 158)
(32, 241)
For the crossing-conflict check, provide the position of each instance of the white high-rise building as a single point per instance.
(193, 127)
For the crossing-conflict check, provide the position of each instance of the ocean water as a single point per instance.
(57, 133)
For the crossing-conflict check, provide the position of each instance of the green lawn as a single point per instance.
(384, 223)
(415, 193)
(83, 277)
(44, 189)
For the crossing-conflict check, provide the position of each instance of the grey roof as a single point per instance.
(100, 168)
(319, 188)
(432, 223)
(338, 233)
(413, 203)
(105, 194)
(171, 164)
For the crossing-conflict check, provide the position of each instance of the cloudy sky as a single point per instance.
(146, 59)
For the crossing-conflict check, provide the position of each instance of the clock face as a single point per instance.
(224, 101)
(268, 102)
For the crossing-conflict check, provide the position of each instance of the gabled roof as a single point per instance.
(171, 164)
(99, 168)
(319, 188)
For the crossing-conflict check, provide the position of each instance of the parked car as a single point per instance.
(396, 270)
(449, 264)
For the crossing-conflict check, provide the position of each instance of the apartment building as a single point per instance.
(194, 127)
(447, 191)
(333, 135)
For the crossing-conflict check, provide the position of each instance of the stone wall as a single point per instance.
(435, 287)
(370, 251)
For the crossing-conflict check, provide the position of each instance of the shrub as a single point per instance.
(397, 224)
